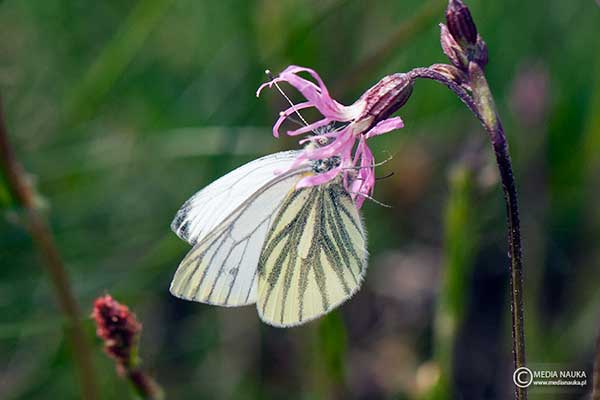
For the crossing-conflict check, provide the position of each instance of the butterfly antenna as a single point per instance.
(272, 78)
(296, 121)
(385, 176)
(366, 196)
(372, 165)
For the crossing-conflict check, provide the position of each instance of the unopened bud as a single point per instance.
(460, 22)
(460, 40)
(453, 51)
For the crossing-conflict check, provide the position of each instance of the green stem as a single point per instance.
(484, 102)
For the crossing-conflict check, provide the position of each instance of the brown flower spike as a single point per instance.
(120, 331)
(118, 327)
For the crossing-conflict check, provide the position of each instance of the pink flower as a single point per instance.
(367, 117)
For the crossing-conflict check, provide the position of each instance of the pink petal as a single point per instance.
(318, 179)
(364, 183)
(319, 95)
(264, 85)
(368, 171)
(310, 127)
(359, 151)
(285, 114)
(359, 202)
(294, 69)
(385, 126)
(300, 160)
(342, 145)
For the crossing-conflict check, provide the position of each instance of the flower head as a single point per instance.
(369, 116)
(118, 327)
(120, 330)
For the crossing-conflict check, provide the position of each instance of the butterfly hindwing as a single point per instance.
(314, 257)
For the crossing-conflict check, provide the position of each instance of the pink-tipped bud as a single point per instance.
(118, 327)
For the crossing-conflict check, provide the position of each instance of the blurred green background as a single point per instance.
(120, 110)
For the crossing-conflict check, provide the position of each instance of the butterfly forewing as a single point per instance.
(314, 257)
(208, 208)
(221, 268)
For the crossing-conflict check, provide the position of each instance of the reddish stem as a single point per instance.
(51, 260)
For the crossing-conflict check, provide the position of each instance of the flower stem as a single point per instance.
(44, 240)
(484, 101)
(463, 95)
(481, 102)
(596, 373)
(144, 385)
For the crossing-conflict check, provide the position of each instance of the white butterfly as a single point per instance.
(297, 254)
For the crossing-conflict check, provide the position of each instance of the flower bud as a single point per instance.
(460, 40)
(453, 51)
(460, 22)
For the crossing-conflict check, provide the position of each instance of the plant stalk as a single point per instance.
(596, 373)
(485, 104)
(144, 385)
(481, 103)
(51, 259)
